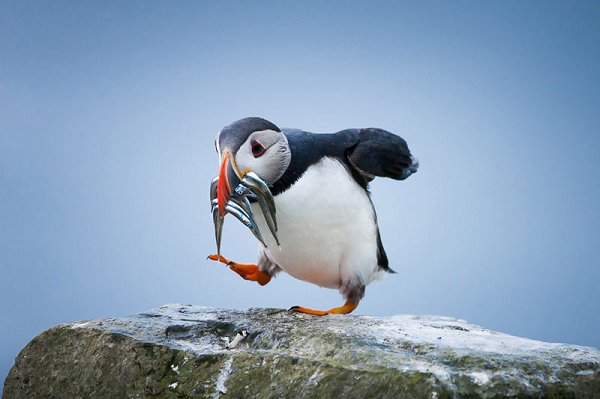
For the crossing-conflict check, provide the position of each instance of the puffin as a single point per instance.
(305, 198)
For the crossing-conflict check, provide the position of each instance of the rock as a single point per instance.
(181, 351)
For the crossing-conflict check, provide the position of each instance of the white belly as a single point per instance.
(326, 228)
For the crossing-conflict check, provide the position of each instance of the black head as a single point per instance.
(234, 135)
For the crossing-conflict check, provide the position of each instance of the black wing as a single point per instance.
(380, 153)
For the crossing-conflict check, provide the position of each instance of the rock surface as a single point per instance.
(182, 351)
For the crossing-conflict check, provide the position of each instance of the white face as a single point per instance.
(267, 153)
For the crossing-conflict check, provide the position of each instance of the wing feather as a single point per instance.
(380, 153)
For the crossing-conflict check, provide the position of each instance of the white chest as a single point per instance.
(326, 227)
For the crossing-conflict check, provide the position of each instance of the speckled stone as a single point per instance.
(181, 351)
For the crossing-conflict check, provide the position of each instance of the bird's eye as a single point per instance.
(257, 149)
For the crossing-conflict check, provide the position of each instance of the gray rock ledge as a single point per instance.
(181, 351)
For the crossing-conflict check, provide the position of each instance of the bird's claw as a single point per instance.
(345, 309)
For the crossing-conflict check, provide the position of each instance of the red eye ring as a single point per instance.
(257, 149)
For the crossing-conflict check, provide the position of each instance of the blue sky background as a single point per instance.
(108, 111)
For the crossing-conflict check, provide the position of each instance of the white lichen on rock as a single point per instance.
(223, 377)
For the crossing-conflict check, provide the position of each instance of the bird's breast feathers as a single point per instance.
(327, 228)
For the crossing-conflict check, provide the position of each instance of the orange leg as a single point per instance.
(247, 271)
(347, 308)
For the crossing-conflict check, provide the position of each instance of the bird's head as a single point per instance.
(249, 145)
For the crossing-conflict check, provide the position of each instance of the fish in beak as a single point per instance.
(232, 191)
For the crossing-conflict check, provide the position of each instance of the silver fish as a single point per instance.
(243, 203)
(242, 190)
(258, 186)
(218, 222)
(250, 187)
(265, 200)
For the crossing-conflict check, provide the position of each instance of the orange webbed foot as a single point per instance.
(347, 308)
(247, 271)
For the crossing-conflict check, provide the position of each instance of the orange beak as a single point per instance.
(228, 180)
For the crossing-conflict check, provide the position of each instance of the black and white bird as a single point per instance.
(310, 192)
